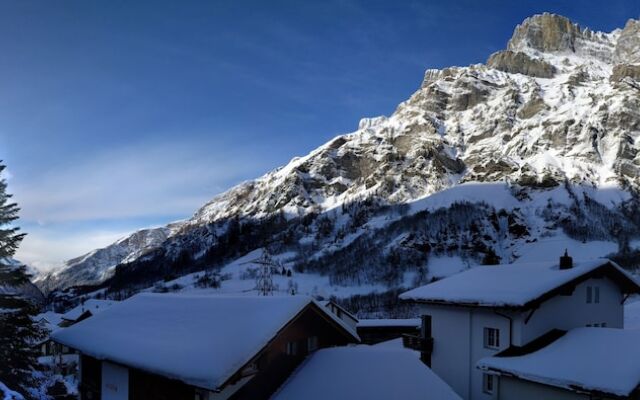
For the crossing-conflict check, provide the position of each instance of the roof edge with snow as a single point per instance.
(608, 268)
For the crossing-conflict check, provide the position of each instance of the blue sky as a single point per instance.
(118, 115)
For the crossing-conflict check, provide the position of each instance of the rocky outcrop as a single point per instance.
(520, 63)
(622, 71)
(547, 33)
(627, 49)
(532, 107)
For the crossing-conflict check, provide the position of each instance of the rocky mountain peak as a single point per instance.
(558, 110)
(628, 45)
(546, 33)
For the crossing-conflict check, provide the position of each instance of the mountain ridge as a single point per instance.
(557, 110)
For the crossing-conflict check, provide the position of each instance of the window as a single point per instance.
(593, 294)
(292, 348)
(604, 324)
(312, 344)
(491, 338)
(487, 383)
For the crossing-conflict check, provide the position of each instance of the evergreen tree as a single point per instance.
(18, 330)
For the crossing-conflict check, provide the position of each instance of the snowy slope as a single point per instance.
(512, 160)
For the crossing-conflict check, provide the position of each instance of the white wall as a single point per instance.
(516, 389)
(483, 318)
(450, 358)
(458, 343)
(568, 312)
(115, 382)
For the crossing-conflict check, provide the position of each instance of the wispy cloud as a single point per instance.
(136, 184)
(138, 181)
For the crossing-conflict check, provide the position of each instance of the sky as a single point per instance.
(119, 115)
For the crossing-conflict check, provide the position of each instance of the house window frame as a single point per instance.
(491, 338)
(291, 348)
(596, 295)
(488, 383)
(589, 294)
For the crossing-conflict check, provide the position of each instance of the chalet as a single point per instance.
(342, 313)
(177, 346)
(583, 363)
(84, 310)
(486, 310)
(373, 331)
(364, 372)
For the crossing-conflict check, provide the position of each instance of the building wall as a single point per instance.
(568, 312)
(481, 319)
(517, 389)
(115, 382)
(458, 332)
(458, 344)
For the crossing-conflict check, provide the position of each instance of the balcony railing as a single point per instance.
(416, 342)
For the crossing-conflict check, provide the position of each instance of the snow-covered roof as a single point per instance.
(364, 372)
(51, 319)
(600, 360)
(93, 305)
(406, 322)
(512, 285)
(201, 340)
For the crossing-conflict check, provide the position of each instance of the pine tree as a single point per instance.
(18, 330)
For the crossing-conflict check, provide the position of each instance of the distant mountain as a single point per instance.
(98, 265)
(484, 163)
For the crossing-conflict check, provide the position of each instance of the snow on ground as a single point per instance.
(596, 359)
(632, 314)
(364, 372)
(8, 394)
(202, 347)
(442, 267)
(240, 282)
(550, 248)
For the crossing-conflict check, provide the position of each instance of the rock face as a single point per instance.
(520, 63)
(548, 115)
(547, 33)
(628, 44)
(622, 71)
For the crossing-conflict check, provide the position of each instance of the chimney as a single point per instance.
(566, 262)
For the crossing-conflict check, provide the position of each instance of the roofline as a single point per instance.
(570, 387)
(344, 310)
(629, 286)
(326, 314)
(312, 303)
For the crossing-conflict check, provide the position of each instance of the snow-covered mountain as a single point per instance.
(485, 162)
(98, 265)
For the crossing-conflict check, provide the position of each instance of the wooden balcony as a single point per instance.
(418, 343)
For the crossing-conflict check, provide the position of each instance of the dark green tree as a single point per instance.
(18, 330)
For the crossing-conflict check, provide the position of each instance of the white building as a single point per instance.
(487, 310)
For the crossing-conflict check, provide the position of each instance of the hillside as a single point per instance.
(531, 152)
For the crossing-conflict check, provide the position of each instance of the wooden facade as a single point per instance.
(312, 328)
